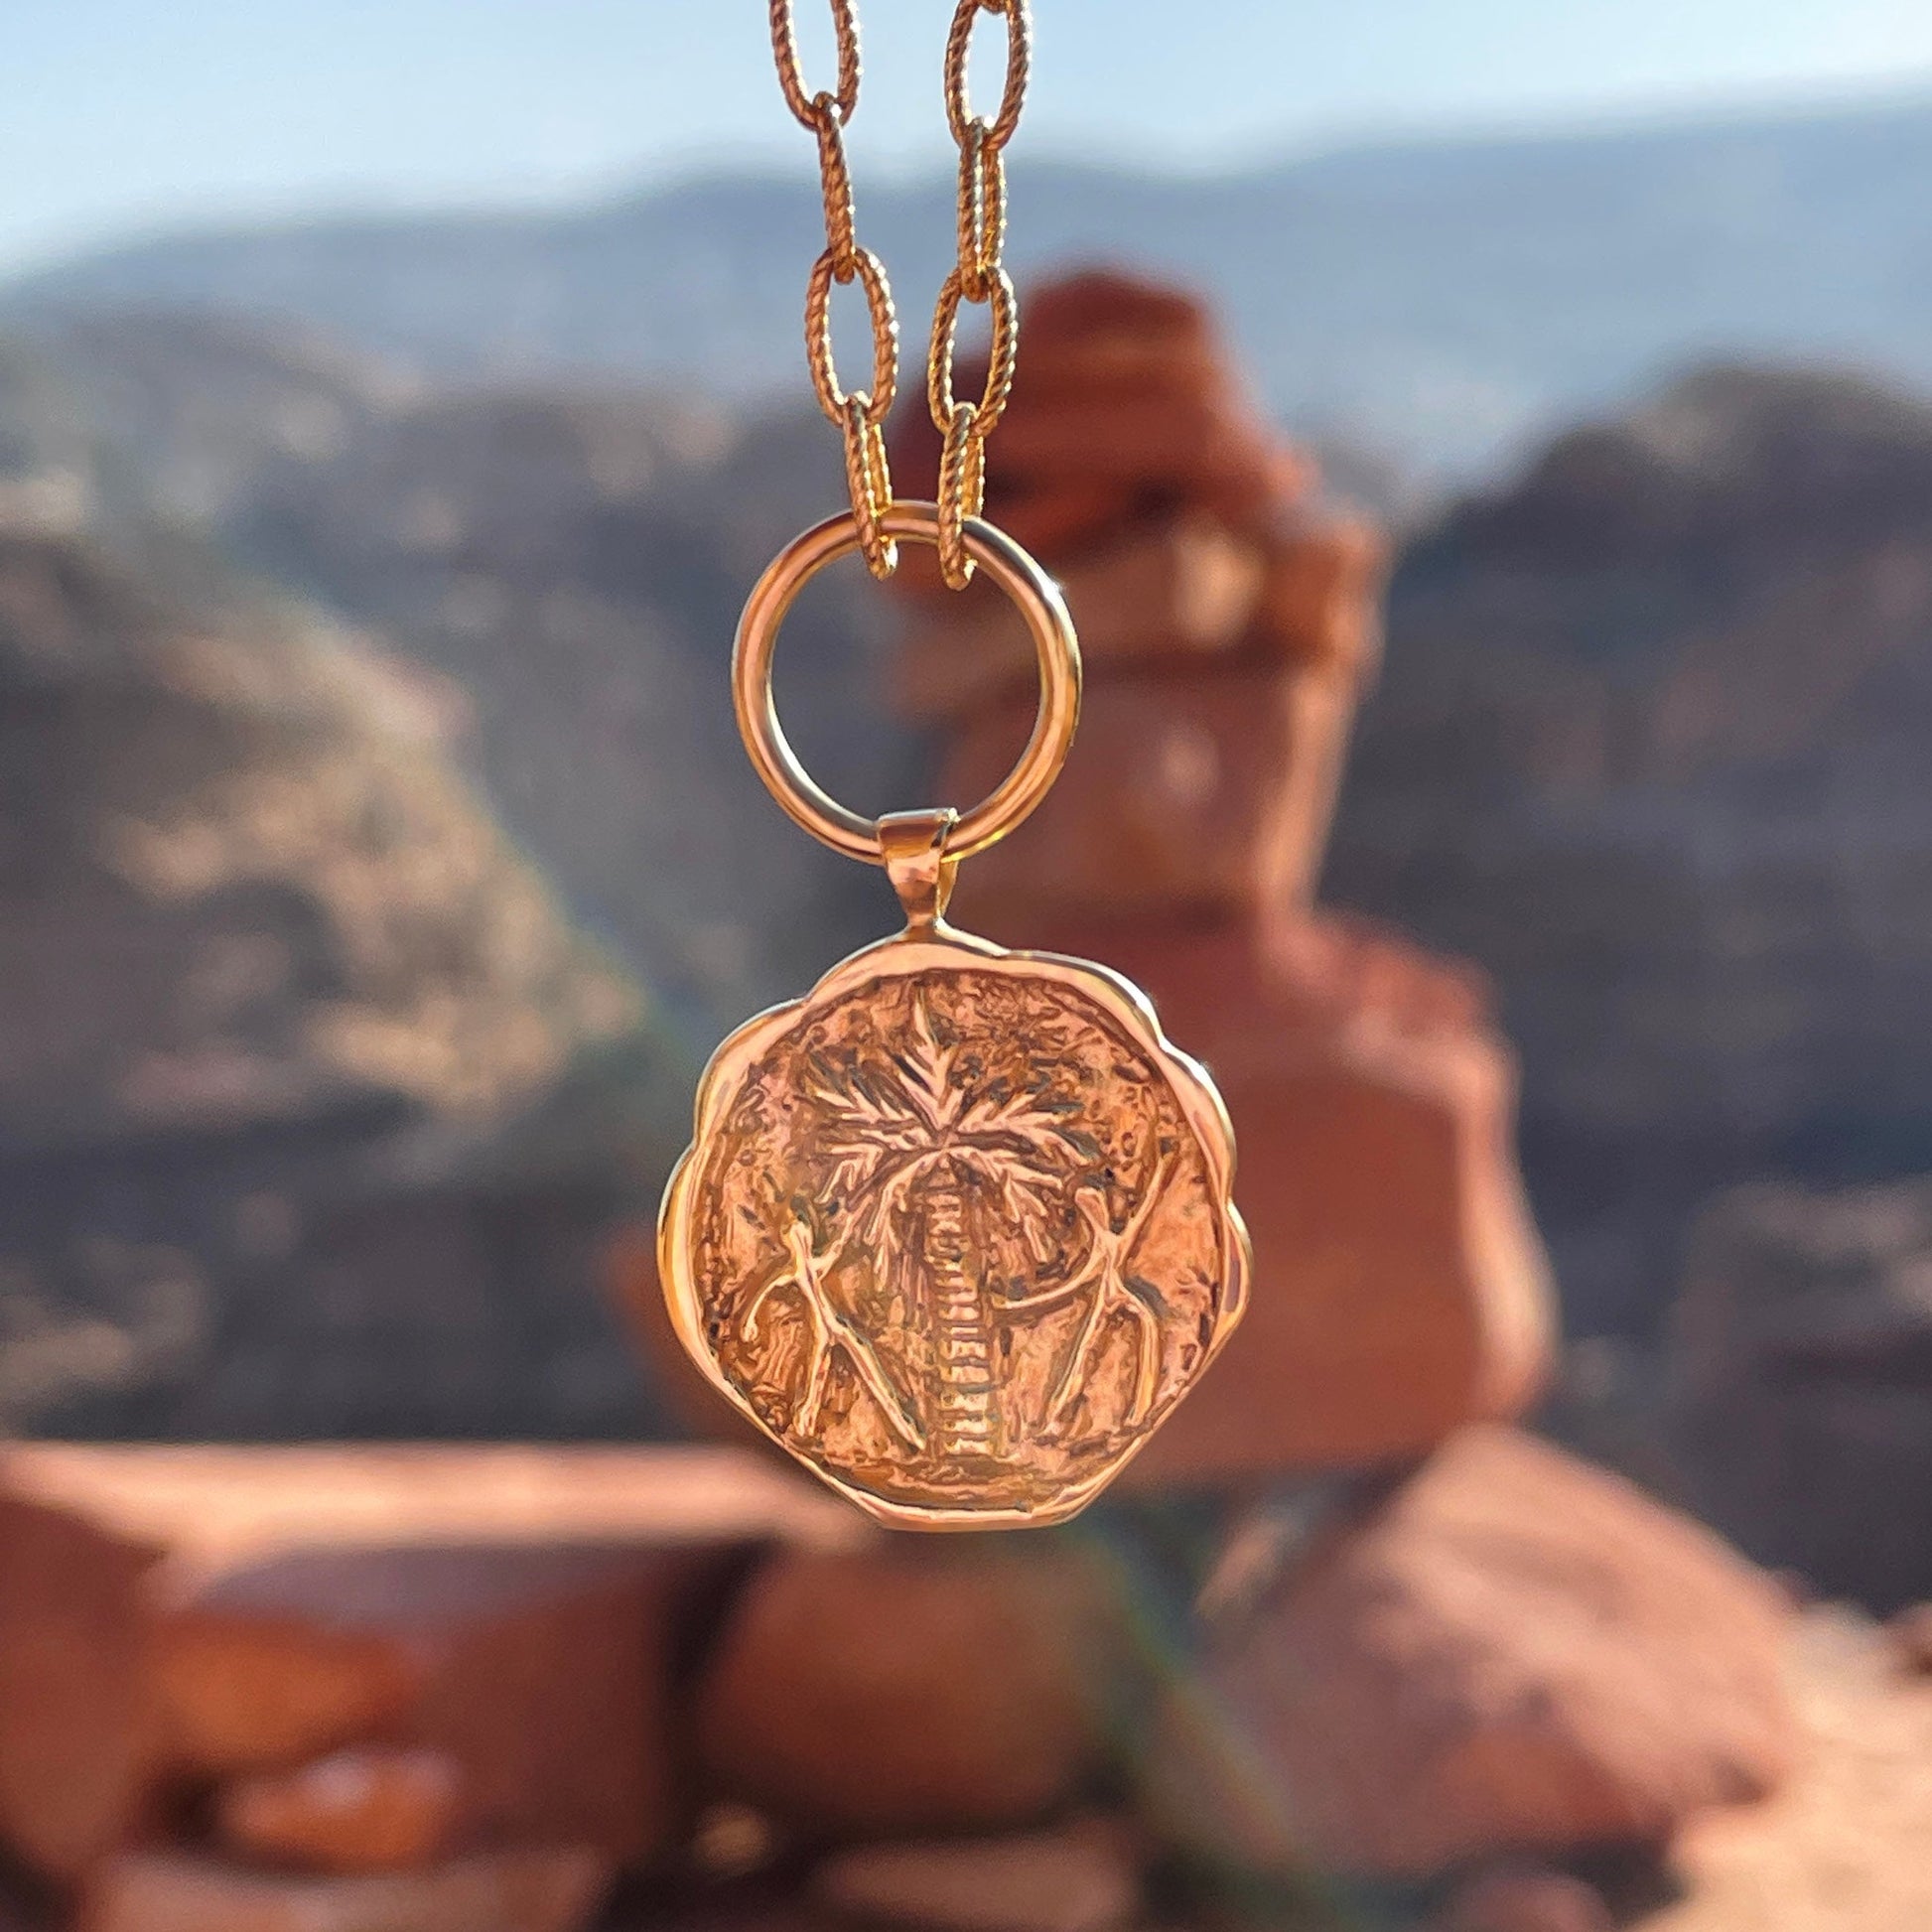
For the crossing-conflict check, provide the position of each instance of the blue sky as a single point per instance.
(121, 115)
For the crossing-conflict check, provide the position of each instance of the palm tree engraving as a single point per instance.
(947, 1194)
(930, 1166)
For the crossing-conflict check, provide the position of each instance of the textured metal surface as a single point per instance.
(956, 1229)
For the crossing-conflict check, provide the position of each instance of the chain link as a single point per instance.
(835, 179)
(979, 277)
(982, 209)
(1019, 56)
(1001, 352)
(870, 273)
(784, 49)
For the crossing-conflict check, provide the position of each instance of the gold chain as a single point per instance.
(979, 277)
(859, 414)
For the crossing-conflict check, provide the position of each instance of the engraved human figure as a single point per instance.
(803, 1271)
(1104, 1277)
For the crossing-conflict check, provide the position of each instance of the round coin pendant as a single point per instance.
(956, 1229)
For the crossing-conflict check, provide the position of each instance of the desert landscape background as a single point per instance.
(379, 865)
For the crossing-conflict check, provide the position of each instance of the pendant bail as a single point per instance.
(917, 863)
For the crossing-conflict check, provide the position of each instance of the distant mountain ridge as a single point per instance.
(1439, 300)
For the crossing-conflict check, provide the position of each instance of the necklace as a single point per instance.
(955, 1229)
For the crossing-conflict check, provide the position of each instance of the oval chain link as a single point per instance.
(870, 273)
(979, 276)
(792, 77)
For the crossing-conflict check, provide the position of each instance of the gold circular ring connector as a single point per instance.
(1016, 573)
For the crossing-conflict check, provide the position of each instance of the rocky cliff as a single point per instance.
(292, 1043)
(568, 561)
(1650, 745)
(1800, 1382)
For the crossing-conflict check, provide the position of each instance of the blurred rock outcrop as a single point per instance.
(177, 412)
(571, 560)
(239, 1636)
(1842, 1846)
(1650, 747)
(276, 1004)
(1500, 1651)
(1508, 1652)
(1801, 1381)
(889, 1689)
(243, 887)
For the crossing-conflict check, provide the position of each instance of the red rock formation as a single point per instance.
(173, 1619)
(540, 1675)
(546, 1890)
(76, 1729)
(1512, 1652)
(1079, 1877)
(1526, 1899)
(894, 1690)
(1227, 621)
(1400, 1290)
(371, 1808)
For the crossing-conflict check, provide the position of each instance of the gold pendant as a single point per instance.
(955, 1229)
